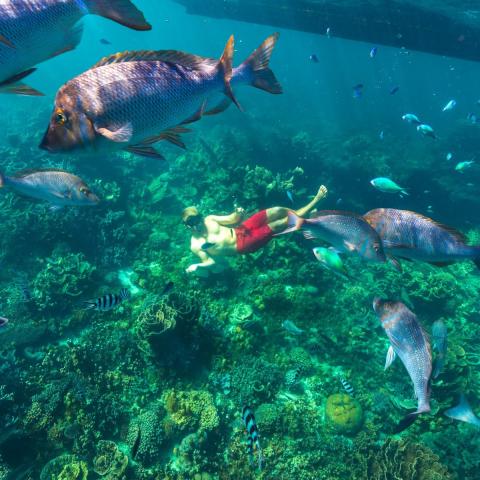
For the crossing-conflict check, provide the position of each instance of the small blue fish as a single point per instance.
(357, 90)
(449, 156)
(472, 118)
(411, 118)
(328, 32)
(348, 388)
(381, 136)
(373, 52)
(104, 41)
(461, 166)
(313, 58)
(426, 130)
(290, 195)
(463, 412)
(394, 90)
(290, 327)
(108, 301)
(449, 106)
(253, 437)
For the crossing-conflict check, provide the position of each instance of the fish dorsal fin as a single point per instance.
(346, 213)
(188, 60)
(30, 171)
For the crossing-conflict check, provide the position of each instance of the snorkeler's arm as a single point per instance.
(207, 261)
(227, 220)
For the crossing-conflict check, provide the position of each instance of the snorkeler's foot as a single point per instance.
(321, 194)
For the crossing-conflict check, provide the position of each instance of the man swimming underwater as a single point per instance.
(217, 236)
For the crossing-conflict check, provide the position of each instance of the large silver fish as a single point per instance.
(345, 231)
(32, 31)
(412, 236)
(57, 187)
(133, 100)
(410, 343)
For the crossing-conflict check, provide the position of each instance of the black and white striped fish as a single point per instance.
(348, 388)
(108, 301)
(252, 432)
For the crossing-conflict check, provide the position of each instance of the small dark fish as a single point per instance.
(348, 388)
(108, 301)
(253, 437)
(136, 444)
(104, 41)
(394, 90)
(463, 412)
(290, 195)
(313, 58)
(167, 288)
(3, 321)
(439, 337)
(373, 52)
(357, 90)
(24, 289)
(207, 245)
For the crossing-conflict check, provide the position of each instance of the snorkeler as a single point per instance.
(217, 236)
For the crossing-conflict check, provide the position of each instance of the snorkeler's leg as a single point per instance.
(321, 194)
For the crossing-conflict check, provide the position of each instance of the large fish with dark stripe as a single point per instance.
(252, 432)
(133, 100)
(413, 236)
(108, 301)
(410, 343)
(32, 31)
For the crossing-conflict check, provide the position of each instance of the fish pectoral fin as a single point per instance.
(350, 247)
(395, 263)
(391, 355)
(145, 151)
(120, 135)
(14, 86)
(6, 41)
(55, 207)
(221, 107)
(197, 115)
(171, 135)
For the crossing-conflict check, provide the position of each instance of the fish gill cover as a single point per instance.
(146, 303)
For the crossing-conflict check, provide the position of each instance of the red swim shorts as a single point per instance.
(253, 233)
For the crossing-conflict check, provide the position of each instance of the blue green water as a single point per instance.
(154, 389)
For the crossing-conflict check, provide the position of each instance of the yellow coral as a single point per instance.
(344, 413)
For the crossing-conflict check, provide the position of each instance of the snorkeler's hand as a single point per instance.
(192, 268)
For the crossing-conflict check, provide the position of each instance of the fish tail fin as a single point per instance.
(410, 419)
(405, 422)
(225, 69)
(256, 66)
(294, 223)
(120, 11)
(88, 305)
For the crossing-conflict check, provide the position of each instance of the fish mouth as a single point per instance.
(45, 144)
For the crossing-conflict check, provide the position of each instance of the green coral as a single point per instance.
(65, 467)
(343, 413)
(109, 461)
(191, 409)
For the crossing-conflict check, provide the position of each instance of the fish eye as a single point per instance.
(60, 117)
(84, 190)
